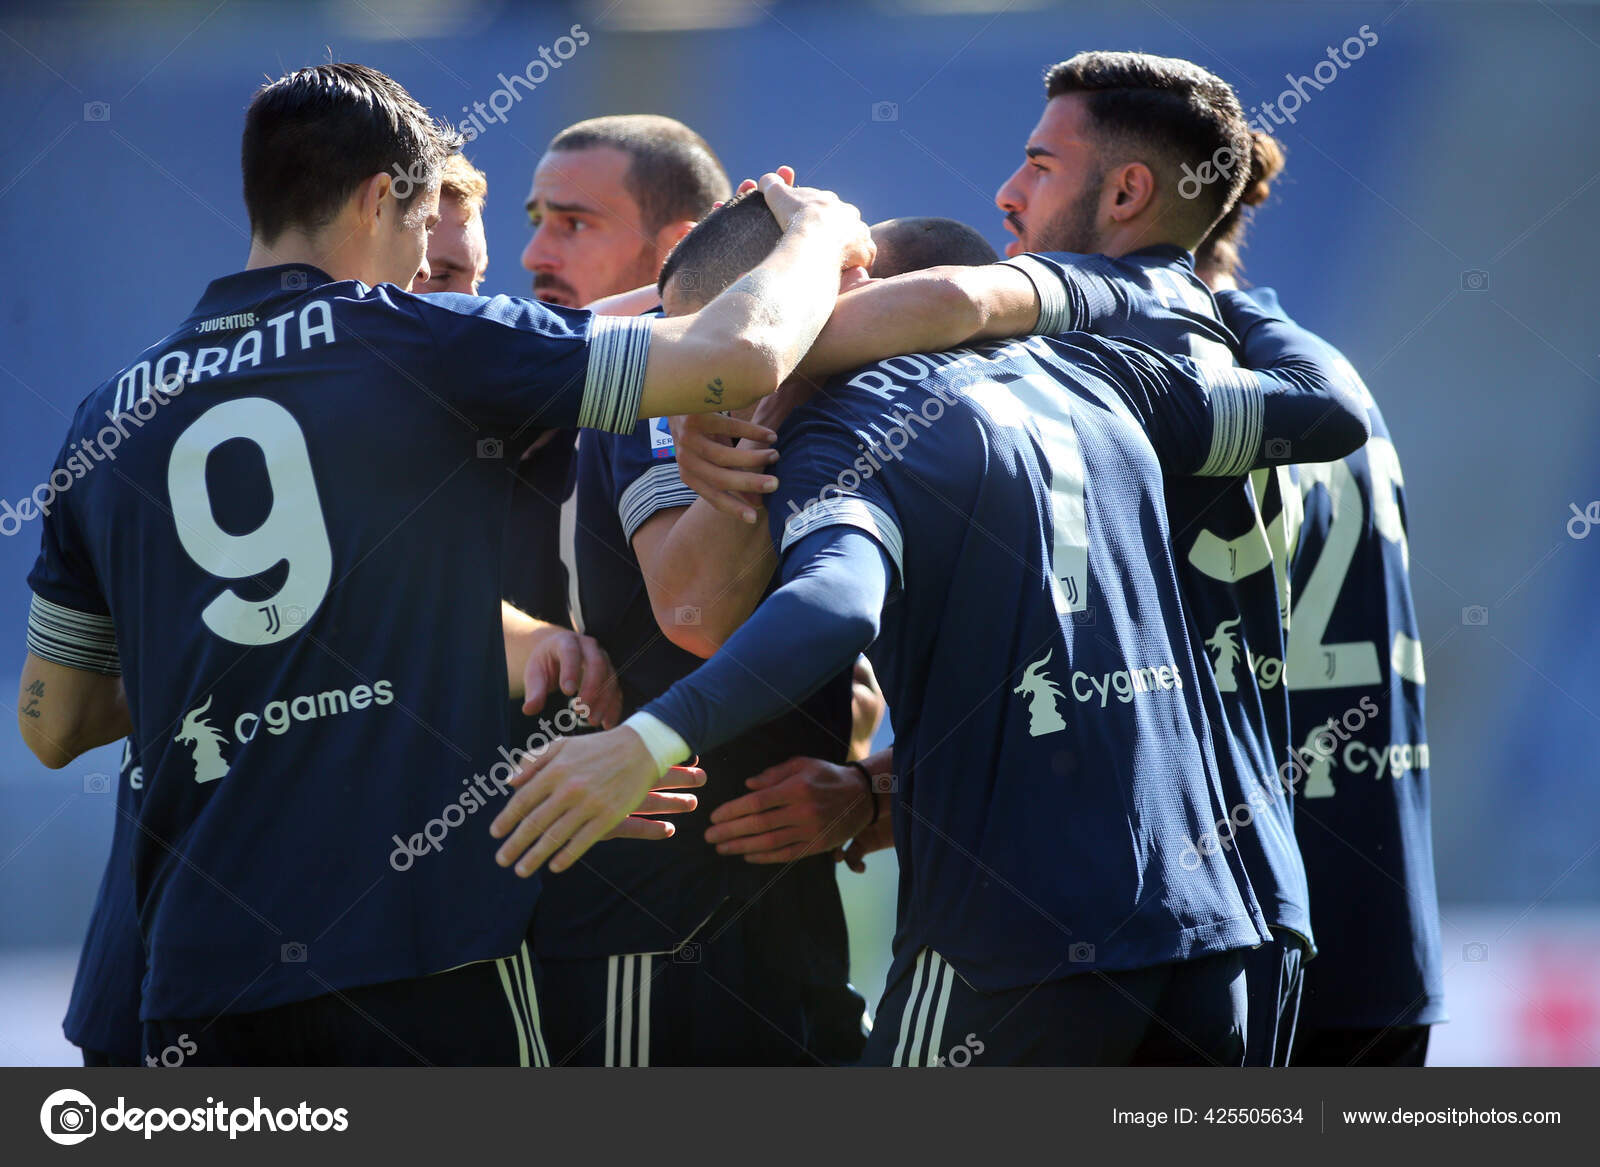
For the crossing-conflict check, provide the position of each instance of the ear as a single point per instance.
(368, 197)
(667, 238)
(1129, 190)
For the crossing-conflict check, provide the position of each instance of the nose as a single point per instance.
(538, 256)
(424, 274)
(1009, 197)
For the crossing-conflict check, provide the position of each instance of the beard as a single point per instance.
(1074, 229)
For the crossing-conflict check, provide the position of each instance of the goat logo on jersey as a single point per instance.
(196, 731)
(1319, 778)
(1042, 694)
(1226, 645)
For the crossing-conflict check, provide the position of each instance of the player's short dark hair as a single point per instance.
(313, 136)
(721, 247)
(1188, 115)
(673, 174)
(923, 241)
(1220, 250)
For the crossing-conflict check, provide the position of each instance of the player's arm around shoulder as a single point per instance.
(65, 712)
(744, 343)
(931, 310)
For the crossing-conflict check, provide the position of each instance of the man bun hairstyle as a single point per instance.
(1188, 116)
(1220, 250)
(313, 136)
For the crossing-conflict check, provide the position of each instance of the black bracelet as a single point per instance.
(872, 788)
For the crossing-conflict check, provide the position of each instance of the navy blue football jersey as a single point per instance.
(103, 1011)
(283, 525)
(1225, 571)
(1356, 691)
(636, 896)
(1054, 763)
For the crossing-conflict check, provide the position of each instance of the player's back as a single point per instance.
(1225, 571)
(1356, 688)
(1051, 754)
(298, 545)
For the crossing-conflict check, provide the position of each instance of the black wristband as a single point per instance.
(872, 788)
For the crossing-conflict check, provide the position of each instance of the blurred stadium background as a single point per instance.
(1436, 221)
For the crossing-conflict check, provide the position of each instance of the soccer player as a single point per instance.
(1023, 492)
(610, 199)
(1355, 680)
(458, 254)
(806, 805)
(1133, 160)
(286, 588)
(103, 1012)
(674, 955)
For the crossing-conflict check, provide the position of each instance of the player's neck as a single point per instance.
(1124, 238)
(297, 247)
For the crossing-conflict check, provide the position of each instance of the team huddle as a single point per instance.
(498, 677)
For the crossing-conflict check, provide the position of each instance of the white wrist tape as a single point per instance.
(663, 742)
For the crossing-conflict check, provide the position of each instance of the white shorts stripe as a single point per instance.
(936, 1039)
(644, 1008)
(625, 1043)
(917, 1055)
(503, 967)
(905, 1013)
(541, 1052)
(611, 1010)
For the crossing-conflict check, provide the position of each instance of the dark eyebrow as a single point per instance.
(561, 208)
(1038, 152)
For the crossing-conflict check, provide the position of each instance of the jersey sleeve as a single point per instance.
(510, 363)
(644, 474)
(69, 620)
(825, 479)
(1077, 293)
(825, 612)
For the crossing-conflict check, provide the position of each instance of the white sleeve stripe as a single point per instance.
(657, 489)
(78, 640)
(848, 512)
(618, 350)
(1055, 314)
(1237, 420)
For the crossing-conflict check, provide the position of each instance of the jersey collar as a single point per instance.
(255, 290)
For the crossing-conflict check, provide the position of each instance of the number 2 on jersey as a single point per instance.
(293, 531)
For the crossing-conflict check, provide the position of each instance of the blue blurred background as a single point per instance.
(1437, 221)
